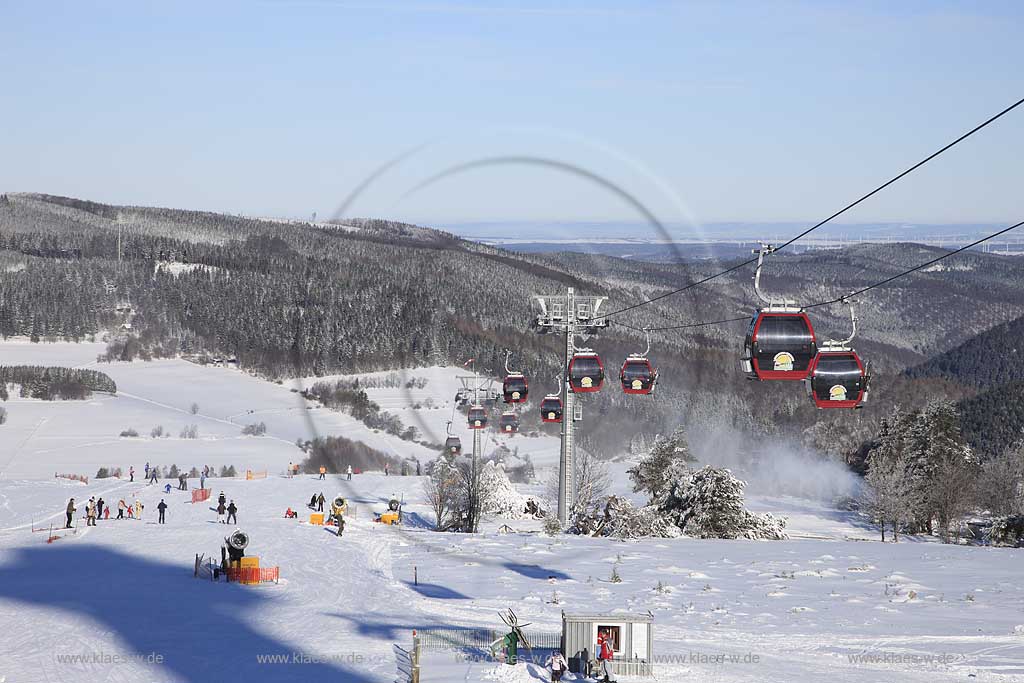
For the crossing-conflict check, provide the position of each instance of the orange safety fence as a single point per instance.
(199, 495)
(249, 474)
(253, 575)
(73, 477)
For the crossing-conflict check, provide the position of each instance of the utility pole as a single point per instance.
(573, 315)
(473, 383)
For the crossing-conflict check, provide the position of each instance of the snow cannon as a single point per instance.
(393, 514)
(235, 545)
(339, 506)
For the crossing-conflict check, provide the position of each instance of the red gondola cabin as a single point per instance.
(551, 408)
(780, 345)
(638, 376)
(586, 372)
(838, 379)
(515, 388)
(477, 417)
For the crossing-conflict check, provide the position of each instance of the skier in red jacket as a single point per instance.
(604, 656)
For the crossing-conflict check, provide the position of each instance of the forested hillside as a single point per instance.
(296, 299)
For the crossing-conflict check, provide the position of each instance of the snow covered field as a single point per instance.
(43, 437)
(830, 604)
(799, 610)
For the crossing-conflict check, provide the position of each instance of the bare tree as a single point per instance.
(1000, 483)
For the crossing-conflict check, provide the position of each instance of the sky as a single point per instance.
(698, 112)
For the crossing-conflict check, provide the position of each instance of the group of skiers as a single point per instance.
(152, 475)
(98, 509)
(230, 509)
(316, 503)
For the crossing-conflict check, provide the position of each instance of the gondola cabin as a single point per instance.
(638, 376)
(453, 445)
(780, 345)
(586, 372)
(838, 379)
(515, 388)
(477, 417)
(508, 423)
(551, 408)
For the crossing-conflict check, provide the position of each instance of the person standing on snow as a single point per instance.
(232, 513)
(99, 508)
(320, 500)
(71, 512)
(558, 665)
(152, 476)
(138, 509)
(387, 470)
(202, 479)
(147, 470)
(121, 506)
(162, 507)
(131, 474)
(220, 511)
(90, 512)
(221, 500)
(323, 472)
(604, 656)
(349, 472)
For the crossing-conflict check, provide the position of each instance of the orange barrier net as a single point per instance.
(254, 575)
(199, 495)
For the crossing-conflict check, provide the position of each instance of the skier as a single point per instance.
(323, 472)
(131, 474)
(90, 512)
(162, 507)
(604, 656)
(232, 513)
(320, 500)
(138, 509)
(121, 507)
(349, 472)
(220, 511)
(338, 515)
(291, 469)
(312, 503)
(147, 470)
(387, 470)
(152, 476)
(106, 512)
(558, 665)
(99, 508)
(418, 470)
(167, 488)
(221, 500)
(71, 511)
(202, 479)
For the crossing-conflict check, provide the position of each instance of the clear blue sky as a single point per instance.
(760, 111)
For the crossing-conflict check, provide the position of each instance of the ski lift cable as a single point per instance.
(846, 297)
(814, 227)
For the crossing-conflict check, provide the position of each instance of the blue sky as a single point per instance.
(705, 112)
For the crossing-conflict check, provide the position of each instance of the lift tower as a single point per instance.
(573, 316)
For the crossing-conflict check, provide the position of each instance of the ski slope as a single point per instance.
(831, 603)
(44, 437)
(804, 607)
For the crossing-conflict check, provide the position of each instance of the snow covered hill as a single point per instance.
(798, 610)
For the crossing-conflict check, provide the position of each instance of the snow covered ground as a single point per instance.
(830, 604)
(798, 610)
(43, 437)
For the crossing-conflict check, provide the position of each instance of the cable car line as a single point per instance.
(844, 297)
(849, 206)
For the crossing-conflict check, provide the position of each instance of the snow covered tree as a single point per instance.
(892, 493)
(707, 503)
(953, 468)
(1001, 483)
(668, 459)
(442, 488)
